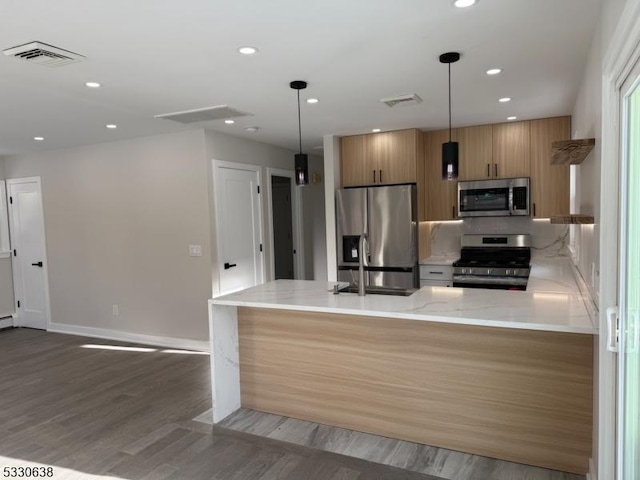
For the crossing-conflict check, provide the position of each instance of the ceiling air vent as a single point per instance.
(406, 99)
(220, 112)
(43, 54)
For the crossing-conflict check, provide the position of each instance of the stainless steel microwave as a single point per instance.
(494, 198)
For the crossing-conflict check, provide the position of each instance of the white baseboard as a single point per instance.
(593, 474)
(6, 322)
(167, 342)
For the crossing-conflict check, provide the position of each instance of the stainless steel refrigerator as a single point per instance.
(388, 216)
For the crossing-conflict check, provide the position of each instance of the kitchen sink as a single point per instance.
(372, 290)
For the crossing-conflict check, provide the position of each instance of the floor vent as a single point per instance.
(220, 112)
(43, 54)
(406, 99)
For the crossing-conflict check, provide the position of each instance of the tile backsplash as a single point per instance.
(547, 240)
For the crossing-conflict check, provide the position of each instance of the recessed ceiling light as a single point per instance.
(38, 139)
(494, 71)
(229, 122)
(512, 118)
(464, 3)
(252, 129)
(312, 100)
(247, 50)
(376, 130)
(92, 84)
(504, 99)
(111, 126)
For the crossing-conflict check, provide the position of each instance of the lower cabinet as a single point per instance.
(433, 275)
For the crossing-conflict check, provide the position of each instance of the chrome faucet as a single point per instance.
(362, 254)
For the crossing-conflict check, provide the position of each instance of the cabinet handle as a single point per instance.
(495, 167)
(374, 176)
(380, 176)
(453, 211)
(534, 209)
(488, 169)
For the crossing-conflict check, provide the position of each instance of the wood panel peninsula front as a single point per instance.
(502, 374)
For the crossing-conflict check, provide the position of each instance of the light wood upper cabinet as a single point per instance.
(511, 150)
(494, 151)
(439, 195)
(380, 158)
(476, 152)
(549, 183)
(398, 162)
(355, 161)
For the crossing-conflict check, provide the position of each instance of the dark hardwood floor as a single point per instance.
(128, 414)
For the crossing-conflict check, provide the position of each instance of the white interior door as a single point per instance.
(26, 222)
(629, 282)
(239, 226)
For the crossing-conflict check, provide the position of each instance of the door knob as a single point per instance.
(227, 265)
(39, 264)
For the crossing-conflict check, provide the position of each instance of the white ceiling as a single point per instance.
(161, 56)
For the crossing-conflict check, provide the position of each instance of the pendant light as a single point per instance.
(449, 149)
(301, 160)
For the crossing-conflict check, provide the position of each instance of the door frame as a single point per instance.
(217, 164)
(298, 237)
(5, 243)
(631, 83)
(45, 271)
(623, 53)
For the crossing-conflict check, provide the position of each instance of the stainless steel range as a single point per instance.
(493, 261)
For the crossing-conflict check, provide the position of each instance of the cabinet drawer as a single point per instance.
(435, 283)
(436, 272)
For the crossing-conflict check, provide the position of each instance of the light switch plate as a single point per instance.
(195, 250)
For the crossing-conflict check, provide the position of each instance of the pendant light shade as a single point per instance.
(301, 160)
(449, 149)
(302, 169)
(450, 160)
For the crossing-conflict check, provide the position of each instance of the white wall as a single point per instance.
(6, 282)
(221, 146)
(314, 224)
(586, 123)
(119, 218)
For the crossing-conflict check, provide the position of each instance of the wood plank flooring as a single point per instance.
(94, 412)
(443, 463)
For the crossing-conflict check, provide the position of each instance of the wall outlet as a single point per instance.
(195, 250)
(115, 309)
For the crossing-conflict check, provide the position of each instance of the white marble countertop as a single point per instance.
(552, 302)
(440, 259)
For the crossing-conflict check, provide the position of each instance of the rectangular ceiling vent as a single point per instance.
(220, 112)
(43, 54)
(406, 99)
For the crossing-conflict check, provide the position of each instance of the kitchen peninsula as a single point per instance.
(492, 372)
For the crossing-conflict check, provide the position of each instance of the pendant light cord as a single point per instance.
(449, 103)
(300, 123)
